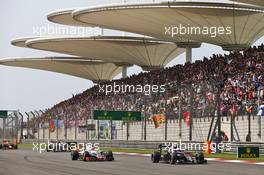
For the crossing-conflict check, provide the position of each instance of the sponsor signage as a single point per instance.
(88, 127)
(91, 127)
(3, 114)
(117, 115)
(248, 152)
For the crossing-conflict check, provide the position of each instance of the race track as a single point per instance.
(27, 162)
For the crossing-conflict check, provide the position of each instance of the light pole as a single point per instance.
(180, 109)
(27, 125)
(34, 124)
(259, 118)
(16, 124)
(43, 128)
(248, 138)
(49, 126)
(38, 117)
(216, 111)
(22, 127)
(188, 86)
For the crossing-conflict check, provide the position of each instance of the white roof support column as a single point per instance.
(188, 55)
(102, 32)
(189, 46)
(124, 71)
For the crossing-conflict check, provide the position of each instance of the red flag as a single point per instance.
(52, 126)
(186, 117)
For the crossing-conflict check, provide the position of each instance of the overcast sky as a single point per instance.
(28, 89)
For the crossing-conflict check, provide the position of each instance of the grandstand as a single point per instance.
(203, 99)
(247, 68)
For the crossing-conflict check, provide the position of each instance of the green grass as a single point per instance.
(128, 150)
(25, 146)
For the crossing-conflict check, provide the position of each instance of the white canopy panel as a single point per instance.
(254, 2)
(94, 70)
(21, 42)
(65, 17)
(146, 52)
(237, 25)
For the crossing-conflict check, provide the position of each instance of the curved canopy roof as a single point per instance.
(21, 42)
(94, 70)
(201, 18)
(65, 17)
(254, 2)
(146, 52)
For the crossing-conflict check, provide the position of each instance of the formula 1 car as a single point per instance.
(174, 156)
(7, 145)
(92, 155)
(182, 157)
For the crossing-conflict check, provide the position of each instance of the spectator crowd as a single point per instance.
(236, 79)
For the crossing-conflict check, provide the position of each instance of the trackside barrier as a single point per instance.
(149, 144)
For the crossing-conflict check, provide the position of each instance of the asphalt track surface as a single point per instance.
(28, 162)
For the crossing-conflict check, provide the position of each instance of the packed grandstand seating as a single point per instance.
(239, 76)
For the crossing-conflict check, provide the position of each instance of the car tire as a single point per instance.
(74, 155)
(85, 154)
(173, 159)
(156, 157)
(152, 159)
(109, 156)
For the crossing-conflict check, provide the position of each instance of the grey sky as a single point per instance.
(28, 89)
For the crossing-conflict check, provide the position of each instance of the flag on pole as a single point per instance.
(158, 120)
(207, 147)
(233, 110)
(52, 126)
(57, 123)
(249, 109)
(186, 117)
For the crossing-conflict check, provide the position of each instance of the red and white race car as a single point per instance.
(92, 155)
(7, 145)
